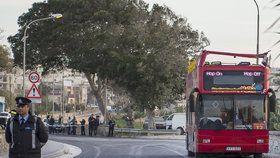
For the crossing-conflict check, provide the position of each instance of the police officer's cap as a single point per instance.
(22, 101)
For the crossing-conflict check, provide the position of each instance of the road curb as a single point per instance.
(63, 149)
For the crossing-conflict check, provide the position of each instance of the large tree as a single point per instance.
(5, 61)
(6, 66)
(155, 75)
(275, 26)
(119, 41)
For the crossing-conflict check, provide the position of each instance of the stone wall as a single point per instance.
(3, 144)
(274, 142)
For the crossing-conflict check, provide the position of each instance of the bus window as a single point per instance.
(215, 112)
(249, 112)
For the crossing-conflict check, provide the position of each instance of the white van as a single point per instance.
(176, 121)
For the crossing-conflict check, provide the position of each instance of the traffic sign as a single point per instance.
(33, 92)
(34, 77)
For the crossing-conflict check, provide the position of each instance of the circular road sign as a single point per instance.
(34, 77)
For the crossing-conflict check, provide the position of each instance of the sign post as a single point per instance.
(33, 93)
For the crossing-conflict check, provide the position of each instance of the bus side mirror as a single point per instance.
(191, 103)
(272, 101)
(265, 61)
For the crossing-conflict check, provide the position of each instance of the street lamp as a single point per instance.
(52, 16)
(258, 30)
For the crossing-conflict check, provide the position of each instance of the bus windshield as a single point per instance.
(231, 112)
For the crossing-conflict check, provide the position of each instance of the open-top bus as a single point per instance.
(228, 106)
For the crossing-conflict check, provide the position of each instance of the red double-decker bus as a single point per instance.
(228, 106)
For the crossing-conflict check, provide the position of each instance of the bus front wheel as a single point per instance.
(197, 155)
(190, 153)
(258, 155)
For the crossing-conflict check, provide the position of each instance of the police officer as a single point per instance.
(26, 134)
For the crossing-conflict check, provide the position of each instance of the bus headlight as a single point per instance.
(206, 141)
(260, 141)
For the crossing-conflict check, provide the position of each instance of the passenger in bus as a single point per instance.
(225, 117)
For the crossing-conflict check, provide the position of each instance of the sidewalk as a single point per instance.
(54, 149)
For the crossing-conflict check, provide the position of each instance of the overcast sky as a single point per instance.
(230, 25)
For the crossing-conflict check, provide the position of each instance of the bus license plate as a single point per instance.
(234, 148)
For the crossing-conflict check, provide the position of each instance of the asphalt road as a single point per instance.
(98, 147)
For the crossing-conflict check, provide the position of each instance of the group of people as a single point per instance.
(93, 124)
(72, 124)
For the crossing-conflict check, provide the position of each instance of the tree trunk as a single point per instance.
(96, 90)
(150, 118)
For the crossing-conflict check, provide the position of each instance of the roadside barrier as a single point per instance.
(141, 132)
(103, 130)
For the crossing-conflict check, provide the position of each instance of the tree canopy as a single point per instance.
(122, 41)
(5, 61)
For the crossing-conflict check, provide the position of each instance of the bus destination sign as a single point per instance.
(233, 81)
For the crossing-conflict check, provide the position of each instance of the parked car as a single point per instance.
(176, 121)
(159, 122)
(4, 116)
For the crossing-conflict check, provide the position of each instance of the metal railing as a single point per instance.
(133, 131)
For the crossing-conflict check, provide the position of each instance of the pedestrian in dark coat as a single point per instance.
(69, 125)
(26, 134)
(51, 125)
(111, 127)
(83, 122)
(95, 125)
(74, 125)
(90, 124)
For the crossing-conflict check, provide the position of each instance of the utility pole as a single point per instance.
(258, 30)
(53, 94)
(62, 94)
(52, 16)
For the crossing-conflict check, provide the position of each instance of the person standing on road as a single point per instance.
(83, 122)
(60, 120)
(90, 125)
(111, 127)
(26, 134)
(69, 125)
(74, 125)
(51, 125)
(95, 125)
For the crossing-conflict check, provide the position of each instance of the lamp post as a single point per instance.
(52, 16)
(258, 30)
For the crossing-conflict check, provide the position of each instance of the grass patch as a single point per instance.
(138, 124)
(121, 123)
